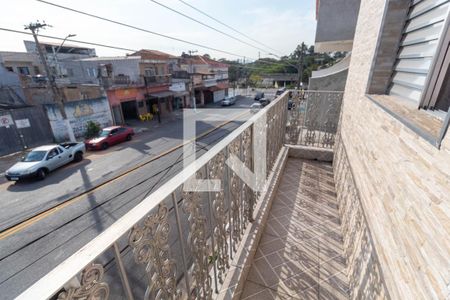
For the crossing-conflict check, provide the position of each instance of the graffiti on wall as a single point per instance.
(79, 113)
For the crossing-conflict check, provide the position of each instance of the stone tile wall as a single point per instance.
(403, 181)
(363, 269)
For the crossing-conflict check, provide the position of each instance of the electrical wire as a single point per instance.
(138, 28)
(228, 26)
(208, 26)
(151, 32)
(70, 40)
(113, 47)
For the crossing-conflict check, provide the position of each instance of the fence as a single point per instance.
(176, 243)
(23, 128)
(313, 118)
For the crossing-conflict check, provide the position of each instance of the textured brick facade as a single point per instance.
(403, 180)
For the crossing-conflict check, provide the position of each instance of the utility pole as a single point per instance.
(300, 66)
(191, 90)
(58, 97)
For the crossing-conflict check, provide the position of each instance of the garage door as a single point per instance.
(219, 95)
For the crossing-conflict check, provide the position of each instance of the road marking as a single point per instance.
(21, 226)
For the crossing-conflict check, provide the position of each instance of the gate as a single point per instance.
(23, 128)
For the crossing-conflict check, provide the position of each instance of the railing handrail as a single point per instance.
(52, 282)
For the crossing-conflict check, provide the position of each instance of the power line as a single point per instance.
(228, 26)
(138, 28)
(151, 32)
(100, 45)
(208, 26)
(70, 40)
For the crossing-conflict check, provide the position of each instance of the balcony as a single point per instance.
(209, 82)
(157, 80)
(284, 233)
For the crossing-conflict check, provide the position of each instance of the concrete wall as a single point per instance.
(43, 95)
(336, 23)
(78, 113)
(402, 180)
(334, 82)
(10, 83)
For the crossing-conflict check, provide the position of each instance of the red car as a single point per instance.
(110, 136)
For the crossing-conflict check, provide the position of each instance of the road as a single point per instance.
(44, 222)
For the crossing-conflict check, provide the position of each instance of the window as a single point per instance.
(52, 153)
(149, 72)
(36, 70)
(91, 72)
(421, 55)
(10, 69)
(114, 131)
(23, 70)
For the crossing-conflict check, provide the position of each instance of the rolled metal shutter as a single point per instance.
(421, 36)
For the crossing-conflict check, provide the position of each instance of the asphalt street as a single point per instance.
(64, 217)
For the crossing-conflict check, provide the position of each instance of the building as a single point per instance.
(332, 78)
(136, 84)
(209, 78)
(394, 145)
(57, 53)
(22, 63)
(24, 84)
(279, 80)
(336, 23)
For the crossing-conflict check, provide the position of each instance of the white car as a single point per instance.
(42, 160)
(255, 107)
(228, 101)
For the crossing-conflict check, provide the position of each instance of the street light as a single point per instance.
(57, 51)
(68, 36)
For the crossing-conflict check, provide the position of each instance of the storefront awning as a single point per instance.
(162, 94)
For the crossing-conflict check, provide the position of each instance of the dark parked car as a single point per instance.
(264, 101)
(259, 95)
(110, 136)
(280, 91)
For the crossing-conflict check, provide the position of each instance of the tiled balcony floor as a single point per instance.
(300, 255)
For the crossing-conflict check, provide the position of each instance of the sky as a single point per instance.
(280, 24)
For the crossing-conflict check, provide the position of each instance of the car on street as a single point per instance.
(259, 95)
(44, 159)
(228, 101)
(110, 136)
(264, 101)
(255, 107)
(280, 91)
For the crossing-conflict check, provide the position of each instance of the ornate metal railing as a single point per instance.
(313, 118)
(177, 243)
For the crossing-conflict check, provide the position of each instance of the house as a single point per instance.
(209, 78)
(23, 83)
(136, 84)
(57, 53)
(279, 79)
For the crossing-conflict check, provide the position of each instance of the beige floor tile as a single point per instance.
(300, 254)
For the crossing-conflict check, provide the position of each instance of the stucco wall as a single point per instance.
(403, 180)
(336, 22)
(78, 113)
(334, 82)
